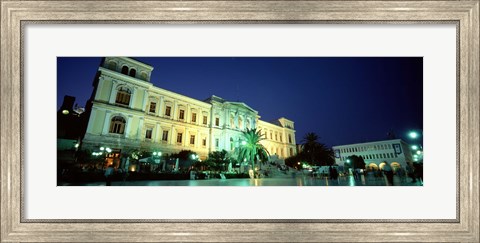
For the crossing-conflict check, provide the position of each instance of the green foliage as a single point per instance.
(251, 149)
(184, 155)
(219, 160)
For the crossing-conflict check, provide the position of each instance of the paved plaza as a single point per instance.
(293, 181)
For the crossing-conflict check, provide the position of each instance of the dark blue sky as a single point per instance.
(344, 100)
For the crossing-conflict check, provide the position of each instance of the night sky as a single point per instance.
(343, 100)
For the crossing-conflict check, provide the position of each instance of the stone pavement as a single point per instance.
(298, 180)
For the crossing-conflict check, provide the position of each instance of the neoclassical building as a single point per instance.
(127, 112)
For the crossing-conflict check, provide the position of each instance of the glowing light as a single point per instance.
(76, 145)
(154, 153)
(419, 152)
(65, 112)
(298, 163)
(244, 143)
(413, 135)
(108, 150)
(348, 160)
(102, 148)
(414, 147)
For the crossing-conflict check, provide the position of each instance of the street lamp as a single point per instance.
(413, 135)
(414, 147)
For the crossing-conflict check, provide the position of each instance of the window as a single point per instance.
(192, 139)
(384, 156)
(181, 115)
(165, 136)
(194, 117)
(232, 122)
(204, 142)
(204, 120)
(125, 70)
(276, 137)
(117, 125)
(289, 138)
(240, 123)
(217, 121)
(153, 105)
(168, 109)
(112, 66)
(291, 152)
(123, 96)
(281, 138)
(179, 137)
(148, 133)
(217, 141)
(391, 155)
(144, 76)
(271, 136)
(231, 143)
(133, 72)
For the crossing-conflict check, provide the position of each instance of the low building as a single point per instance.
(376, 154)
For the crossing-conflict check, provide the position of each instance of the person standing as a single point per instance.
(388, 172)
(108, 175)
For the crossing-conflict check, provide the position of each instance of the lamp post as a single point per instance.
(101, 152)
(157, 154)
(349, 165)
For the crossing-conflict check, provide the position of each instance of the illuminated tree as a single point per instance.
(251, 149)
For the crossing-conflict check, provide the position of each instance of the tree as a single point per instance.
(357, 162)
(219, 159)
(251, 149)
(316, 153)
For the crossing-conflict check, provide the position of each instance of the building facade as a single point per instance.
(127, 113)
(376, 154)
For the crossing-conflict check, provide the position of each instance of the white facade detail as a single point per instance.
(129, 113)
(395, 152)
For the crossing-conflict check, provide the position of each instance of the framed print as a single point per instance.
(154, 74)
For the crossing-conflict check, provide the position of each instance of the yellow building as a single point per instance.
(128, 113)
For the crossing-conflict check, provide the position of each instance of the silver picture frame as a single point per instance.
(16, 14)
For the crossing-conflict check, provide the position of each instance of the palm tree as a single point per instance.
(251, 149)
(316, 150)
(310, 144)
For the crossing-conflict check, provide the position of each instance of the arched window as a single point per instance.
(112, 65)
(125, 70)
(231, 143)
(248, 124)
(144, 76)
(133, 72)
(240, 123)
(117, 125)
(123, 96)
(232, 122)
